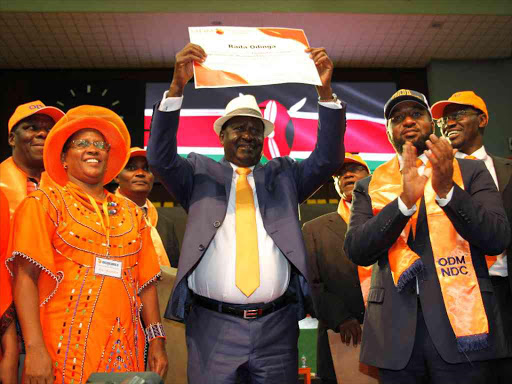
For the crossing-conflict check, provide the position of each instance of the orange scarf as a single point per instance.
(452, 257)
(365, 273)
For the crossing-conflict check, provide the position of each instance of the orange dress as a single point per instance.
(91, 322)
(7, 313)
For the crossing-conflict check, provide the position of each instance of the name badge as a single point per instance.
(108, 267)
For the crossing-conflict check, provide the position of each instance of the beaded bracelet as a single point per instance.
(154, 331)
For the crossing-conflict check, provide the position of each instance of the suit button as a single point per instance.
(216, 224)
(201, 247)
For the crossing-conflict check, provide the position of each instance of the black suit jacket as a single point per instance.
(503, 168)
(390, 320)
(334, 282)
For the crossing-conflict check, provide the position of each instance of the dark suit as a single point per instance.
(334, 283)
(503, 286)
(503, 168)
(202, 187)
(390, 320)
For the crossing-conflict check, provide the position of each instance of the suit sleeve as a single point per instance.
(369, 237)
(175, 172)
(329, 306)
(477, 213)
(328, 155)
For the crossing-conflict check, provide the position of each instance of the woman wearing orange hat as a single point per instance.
(84, 261)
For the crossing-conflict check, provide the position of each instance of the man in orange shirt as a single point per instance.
(20, 175)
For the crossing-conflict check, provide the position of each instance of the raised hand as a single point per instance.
(413, 183)
(325, 68)
(184, 67)
(440, 154)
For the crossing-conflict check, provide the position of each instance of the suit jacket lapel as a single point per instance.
(261, 191)
(338, 226)
(503, 168)
(228, 176)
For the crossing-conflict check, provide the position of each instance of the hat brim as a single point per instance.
(402, 99)
(268, 125)
(141, 152)
(438, 108)
(55, 113)
(56, 139)
(350, 160)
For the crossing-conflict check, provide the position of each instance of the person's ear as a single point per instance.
(116, 179)
(63, 160)
(11, 140)
(482, 120)
(221, 137)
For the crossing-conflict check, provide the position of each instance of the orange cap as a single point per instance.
(32, 108)
(104, 120)
(351, 158)
(137, 151)
(462, 98)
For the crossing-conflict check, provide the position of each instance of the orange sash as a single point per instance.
(365, 273)
(452, 257)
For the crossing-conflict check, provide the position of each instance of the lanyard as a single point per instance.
(106, 227)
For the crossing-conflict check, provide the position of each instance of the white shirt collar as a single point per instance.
(480, 154)
(422, 157)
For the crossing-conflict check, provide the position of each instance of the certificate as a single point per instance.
(243, 56)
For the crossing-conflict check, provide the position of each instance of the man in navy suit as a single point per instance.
(233, 333)
(432, 315)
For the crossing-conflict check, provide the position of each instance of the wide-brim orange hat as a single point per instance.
(351, 158)
(107, 122)
(32, 108)
(469, 98)
(137, 151)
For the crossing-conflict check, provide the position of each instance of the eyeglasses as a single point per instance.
(400, 117)
(83, 143)
(455, 116)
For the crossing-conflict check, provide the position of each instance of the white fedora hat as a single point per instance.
(244, 105)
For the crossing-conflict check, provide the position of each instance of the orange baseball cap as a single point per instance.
(32, 108)
(462, 98)
(137, 151)
(111, 126)
(351, 158)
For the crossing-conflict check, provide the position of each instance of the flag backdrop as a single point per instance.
(292, 108)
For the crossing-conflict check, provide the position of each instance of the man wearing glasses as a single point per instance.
(426, 221)
(463, 119)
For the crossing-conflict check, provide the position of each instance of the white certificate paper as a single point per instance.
(242, 56)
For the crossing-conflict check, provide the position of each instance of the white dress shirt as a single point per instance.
(499, 268)
(214, 276)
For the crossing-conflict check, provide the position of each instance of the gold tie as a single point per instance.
(247, 263)
(471, 157)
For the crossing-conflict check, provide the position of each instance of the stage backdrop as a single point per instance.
(292, 108)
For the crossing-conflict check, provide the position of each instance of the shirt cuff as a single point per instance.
(403, 208)
(446, 200)
(170, 104)
(331, 104)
